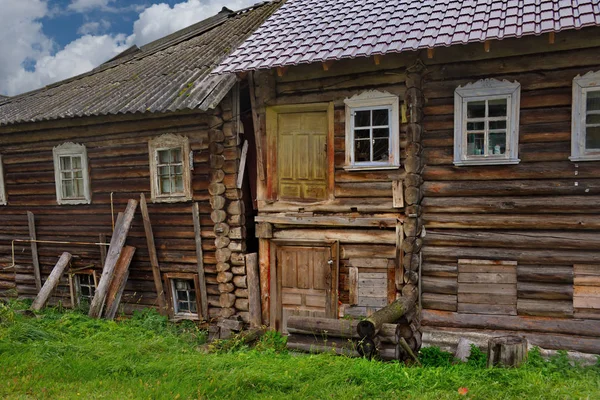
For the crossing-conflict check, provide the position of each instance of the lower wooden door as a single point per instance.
(306, 282)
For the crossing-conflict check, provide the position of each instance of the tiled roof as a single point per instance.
(307, 31)
(170, 74)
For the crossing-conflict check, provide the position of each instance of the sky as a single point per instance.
(45, 41)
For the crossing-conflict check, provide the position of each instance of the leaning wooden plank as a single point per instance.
(117, 285)
(34, 251)
(253, 282)
(200, 261)
(40, 301)
(388, 314)
(160, 293)
(242, 168)
(116, 245)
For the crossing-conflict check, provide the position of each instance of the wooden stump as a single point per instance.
(507, 351)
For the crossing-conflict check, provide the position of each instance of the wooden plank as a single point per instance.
(371, 291)
(436, 301)
(545, 273)
(117, 284)
(160, 293)
(587, 291)
(547, 291)
(399, 262)
(368, 262)
(362, 236)
(484, 298)
(490, 309)
(34, 251)
(502, 289)
(102, 238)
(116, 245)
(42, 298)
(489, 268)
(439, 285)
(439, 270)
(264, 258)
(242, 168)
(391, 279)
(492, 278)
(200, 261)
(372, 301)
(586, 280)
(584, 269)
(353, 286)
(586, 302)
(545, 308)
(375, 283)
(258, 134)
(397, 194)
(253, 281)
(328, 221)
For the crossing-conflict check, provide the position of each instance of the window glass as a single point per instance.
(486, 123)
(170, 171)
(592, 120)
(71, 176)
(86, 286)
(184, 296)
(372, 135)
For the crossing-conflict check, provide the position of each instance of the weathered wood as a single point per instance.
(253, 281)
(258, 132)
(328, 221)
(402, 342)
(102, 248)
(200, 260)
(397, 194)
(370, 327)
(117, 285)
(42, 298)
(34, 251)
(315, 344)
(264, 254)
(116, 245)
(160, 293)
(508, 351)
(242, 168)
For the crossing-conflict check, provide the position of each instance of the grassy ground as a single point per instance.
(67, 355)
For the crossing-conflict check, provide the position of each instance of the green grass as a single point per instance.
(64, 354)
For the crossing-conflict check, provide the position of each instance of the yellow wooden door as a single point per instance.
(305, 280)
(302, 155)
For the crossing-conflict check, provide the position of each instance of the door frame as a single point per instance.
(272, 113)
(276, 310)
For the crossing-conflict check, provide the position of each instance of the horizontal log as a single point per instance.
(545, 273)
(436, 301)
(343, 235)
(328, 221)
(544, 291)
(439, 270)
(584, 187)
(501, 221)
(514, 204)
(439, 285)
(545, 308)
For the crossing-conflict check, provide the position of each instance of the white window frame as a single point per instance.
(166, 142)
(3, 199)
(487, 89)
(581, 85)
(73, 150)
(369, 100)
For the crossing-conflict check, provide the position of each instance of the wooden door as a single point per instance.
(306, 280)
(302, 155)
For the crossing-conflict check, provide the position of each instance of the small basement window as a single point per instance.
(585, 129)
(2, 187)
(486, 123)
(83, 287)
(71, 174)
(372, 131)
(184, 297)
(170, 168)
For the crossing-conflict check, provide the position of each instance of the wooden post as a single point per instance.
(34, 251)
(507, 351)
(102, 249)
(200, 261)
(160, 293)
(260, 161)
(264, 254)
(117, 285)
(253, 283)
(51, 282)
(116, 245)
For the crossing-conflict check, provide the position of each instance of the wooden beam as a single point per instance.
(398, 194)
(486, 46)
(551, 37)
(253, 282)
(399, 276)
(264, 254)
(34, 251)
(258, 137)
(377, 59)
(281, 71)
(430, 53)
(116, 245)
(102, 238)
(242, 75)
(200, 260)
(327, 65)
(158, 284)
(117, 285)
(242, 167)
(42, 298)
(328, 221)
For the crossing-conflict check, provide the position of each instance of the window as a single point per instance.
(83, 286)
(71, 174)
(184, 300)
(170, 168)
(585, 130)
(372, 131)
(486, 123)
(2, 187)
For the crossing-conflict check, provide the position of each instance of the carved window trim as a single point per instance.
(366, 101)
(485, 90)
(582, 85)
(170, 141)
(3, 198)
(71, 149)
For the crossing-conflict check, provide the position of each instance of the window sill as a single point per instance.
(503, 161)
(370, 167)
(178, 199)
(65, 202)
(595, 157)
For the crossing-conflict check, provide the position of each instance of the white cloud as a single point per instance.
(87, 5)
(161, 19)
(93, 27)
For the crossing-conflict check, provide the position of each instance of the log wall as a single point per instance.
(118, 157)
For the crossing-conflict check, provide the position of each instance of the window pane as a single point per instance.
(380, 117)
(381, 133)
(165, 185)
(183, 307)
(78, 174)
(163, 171)
(178, 170)
(192, 307)
(497, 108)
(593, 100)
(76, 162)
(163, 156)
(67, 188)
(475, 143)
(592, 119)
(362, 150)
(178, 184)
(65, 163)
(176, 155)
(78, 188)
(475, 126)
(497, 143)
(476, 109)
(362, 134)
(381, 149)
(497, 124)
(66, 175)
(592, 138)
(362, 118)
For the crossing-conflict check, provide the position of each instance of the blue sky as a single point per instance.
(44, 41)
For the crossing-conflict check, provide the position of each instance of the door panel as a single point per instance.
(306, 277)
(302, 156)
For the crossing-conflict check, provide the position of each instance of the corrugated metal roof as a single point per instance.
(170, 74)
(307, 31)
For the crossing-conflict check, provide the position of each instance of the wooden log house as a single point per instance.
(152, 121)
(449, 147)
